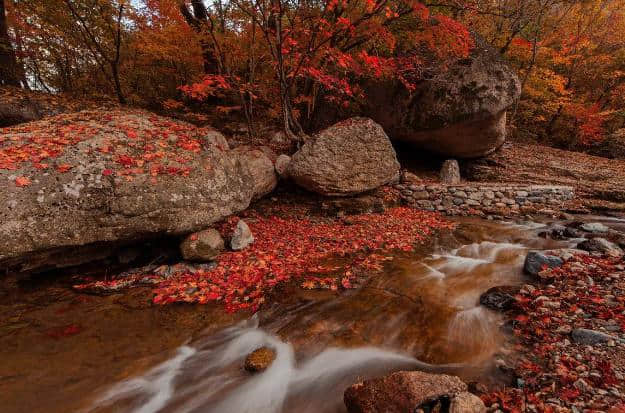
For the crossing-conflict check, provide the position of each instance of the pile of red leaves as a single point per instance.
(321, 252)
(556, 373)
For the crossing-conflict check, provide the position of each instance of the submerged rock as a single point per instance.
(242, 236)
(402, 392)
(259, 359)
(349, 158)
(101, 177)
(536, 261)
(202, 246)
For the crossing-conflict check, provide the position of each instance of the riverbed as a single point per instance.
(62, 351)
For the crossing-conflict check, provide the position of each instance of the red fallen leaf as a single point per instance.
(522, 318)
(63, 168)
(22, 181)
(65, 331)
(107, 172)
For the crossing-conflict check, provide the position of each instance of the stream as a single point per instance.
(421, 313)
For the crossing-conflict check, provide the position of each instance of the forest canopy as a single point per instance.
(280, 60)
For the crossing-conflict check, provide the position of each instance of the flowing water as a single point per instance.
(422, 313)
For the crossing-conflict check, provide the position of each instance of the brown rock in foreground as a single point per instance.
(349, 158)
(407, 391)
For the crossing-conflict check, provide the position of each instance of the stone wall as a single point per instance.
(485, 199)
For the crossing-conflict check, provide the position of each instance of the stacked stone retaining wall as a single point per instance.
(480, 199)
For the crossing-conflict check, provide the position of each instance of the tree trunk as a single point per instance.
(9, 70)
(118, 86)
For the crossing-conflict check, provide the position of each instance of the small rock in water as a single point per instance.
(259, 359)
(499, 298)
(450, 172)
(536, 261)
(601, 245)
(242, 236)
(202, 246)
(590, 337)
(594, 227)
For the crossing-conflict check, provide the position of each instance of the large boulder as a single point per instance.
(351, 157)
(94, 178)
(407, 391)
(258, 162)
(459, 111)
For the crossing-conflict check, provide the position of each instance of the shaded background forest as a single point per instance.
(278, 61)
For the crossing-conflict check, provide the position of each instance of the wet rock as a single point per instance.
(602, 246)
(282, 166)
(590, 337)
(594, 227)
(202, 246)
(500, 298)
(572, 233)
(401, 392)
(242, 236)
(536, 261)
(259, 359)
(467, 403)
(349, 158)
(558, 232)
(450, 172)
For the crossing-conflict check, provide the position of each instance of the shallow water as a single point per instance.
(422, 312)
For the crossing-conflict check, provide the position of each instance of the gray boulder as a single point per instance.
(110, 177)
(202, 246)
(536, 261)
(460, 111)
(349, 158)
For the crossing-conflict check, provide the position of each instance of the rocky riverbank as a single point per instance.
(569, 328)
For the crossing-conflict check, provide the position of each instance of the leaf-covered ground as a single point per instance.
(318, 252)
(599, 181)
(556, 373)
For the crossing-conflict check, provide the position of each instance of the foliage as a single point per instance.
(571, 61)
(317, 253)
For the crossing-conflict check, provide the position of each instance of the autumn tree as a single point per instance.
(10, 72)
(303, 51)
